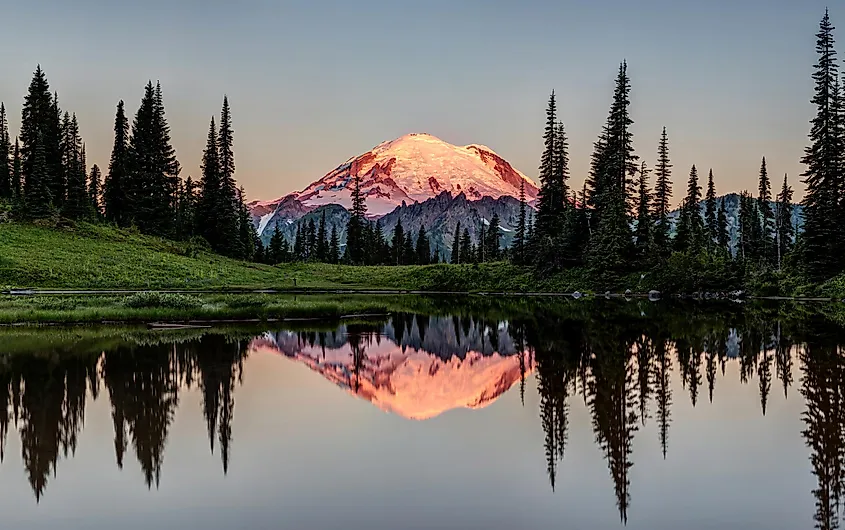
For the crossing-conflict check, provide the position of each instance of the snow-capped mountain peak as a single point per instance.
(414, 168)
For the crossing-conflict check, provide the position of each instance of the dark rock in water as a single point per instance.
(654, 295)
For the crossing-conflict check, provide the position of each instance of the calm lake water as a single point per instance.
(534, 414)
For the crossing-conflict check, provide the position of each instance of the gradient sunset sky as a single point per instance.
(314, 82)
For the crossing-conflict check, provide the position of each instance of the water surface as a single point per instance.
(526, 415)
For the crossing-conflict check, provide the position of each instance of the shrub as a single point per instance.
(149, 299)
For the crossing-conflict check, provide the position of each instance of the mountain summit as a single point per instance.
(414, 168)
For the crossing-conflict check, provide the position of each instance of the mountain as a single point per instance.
(412, 168)
(417, 369)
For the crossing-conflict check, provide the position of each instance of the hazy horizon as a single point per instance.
(312, 84)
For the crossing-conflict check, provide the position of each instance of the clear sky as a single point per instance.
(314, 82)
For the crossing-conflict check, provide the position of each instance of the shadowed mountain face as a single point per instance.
(415, 366)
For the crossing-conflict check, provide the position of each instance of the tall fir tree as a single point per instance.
(822, 238)
(398, 243)
(518, 251)
(94, 191)
(77, 202)
(467, 254)
(36, 135)
(423, 248)
(6, 188)
(186, 223)
(334, 246)
(690, 235)
(115, 186)
(549, 200)
(246, 230)
(355, 226)
(643, 232)
(784, 228)
(17, 171)
(322, 240)
(722, 230)
(208, 221)
(456, 245)
(710, 212)
(662, 195)
(274, 249)
(768, 249)
(228, 222)
(612, 245)
(493, 239)
(408, 252)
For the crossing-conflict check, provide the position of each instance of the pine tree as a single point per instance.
(35, 135)
(17, 171)
(785, 230)
(612, 244)
(482, 244)
(518, 252)
(208, 222)
(77, 202)
(246, 230)
(274, 249)
(334, 247)
(94, 194)
(397, 243)
(322, 240)
(691, 226)
(493, 240)
(747, 220)
(408, 253)
(227, 208)
(456, 245)
(467, 254)
(37, 192)
(551, 199)
(822, 239)
(662, 194)
(355, 226)
(643, 233)
(186, 208)
(423, 248)
(115, 186)
(6, 188)
(311, 241)
(767, 217)
(299, 243)
(711, 214)
(722, 233)
(154, 169)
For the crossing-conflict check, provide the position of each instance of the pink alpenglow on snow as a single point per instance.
(413, 383)
(416, 167)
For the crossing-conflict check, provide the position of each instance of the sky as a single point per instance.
(312, 83)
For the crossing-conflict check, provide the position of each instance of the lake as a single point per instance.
(503, 414)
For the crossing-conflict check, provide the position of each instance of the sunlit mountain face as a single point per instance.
(415, 366)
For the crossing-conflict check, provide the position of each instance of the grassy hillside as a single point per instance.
(101, 257)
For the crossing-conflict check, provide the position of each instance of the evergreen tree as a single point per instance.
(456, 245)
(423, 248)
(408, 252)
(551, 199)
(662, 194)
(518, 251)
(311, 241)
(613, 245)
(466, 247)
(186, 210)
(398, 243)
(77, 202)
(228, 217)
(493, 240)
(822, 239)
(17, 171)
(711, 215)
(482, 244)
(642, 235)
(334, 247)
(435, 259)
(722, 231)
(38, 200)
(322, 240)
(767, 216)
(785, 230)
(94, 194)
(690, 234)
(208, 223)
(355, 226)
(747, 220)
(35, 135)
(6, 188)
(154, 169)
(246, 230)
(115, 186)
(274, 249)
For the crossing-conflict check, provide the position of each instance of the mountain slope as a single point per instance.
(413, 168)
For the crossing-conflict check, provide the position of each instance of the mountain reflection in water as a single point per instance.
(627, 368)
